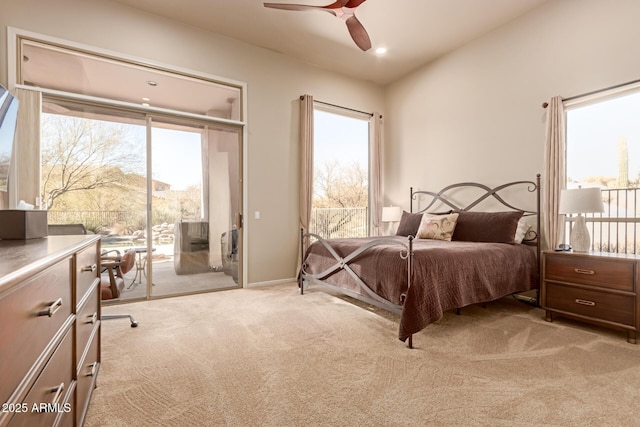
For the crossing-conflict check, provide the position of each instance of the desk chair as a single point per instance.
(115, 266)
(112, 284)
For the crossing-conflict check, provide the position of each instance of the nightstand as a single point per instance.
(595, 287)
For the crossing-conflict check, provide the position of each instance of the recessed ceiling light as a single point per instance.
(152, 83)
(146, 99)
(381, 50)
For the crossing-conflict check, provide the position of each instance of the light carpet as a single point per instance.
(271, 357)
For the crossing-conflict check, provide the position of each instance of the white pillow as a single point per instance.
(521, 230)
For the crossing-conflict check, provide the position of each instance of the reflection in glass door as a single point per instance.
(194, 202)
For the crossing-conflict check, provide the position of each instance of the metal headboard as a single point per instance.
(444, 196)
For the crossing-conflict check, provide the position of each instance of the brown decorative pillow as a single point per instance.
(493, 227)
(437, 227)
(409, 224)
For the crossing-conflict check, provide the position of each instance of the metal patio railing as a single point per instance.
(332, 223)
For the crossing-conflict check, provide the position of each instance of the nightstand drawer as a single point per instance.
(590, 303)
(607, 273)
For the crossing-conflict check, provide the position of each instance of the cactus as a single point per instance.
(623, 163)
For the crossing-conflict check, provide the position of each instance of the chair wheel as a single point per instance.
(134, 324)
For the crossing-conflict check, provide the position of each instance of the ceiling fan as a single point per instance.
(343, 9)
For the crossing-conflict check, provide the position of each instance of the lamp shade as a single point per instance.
(391, 213)
(581, 200)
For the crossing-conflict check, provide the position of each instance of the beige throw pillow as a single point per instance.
(437, 227)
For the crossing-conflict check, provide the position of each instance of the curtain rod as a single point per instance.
(546, 104)
(344, 108)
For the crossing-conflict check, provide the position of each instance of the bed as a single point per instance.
(445, 256)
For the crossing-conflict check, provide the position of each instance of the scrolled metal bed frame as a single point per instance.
(342, 263)
(405, 250)
(532, 236)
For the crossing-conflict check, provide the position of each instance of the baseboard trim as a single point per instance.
(271, 283)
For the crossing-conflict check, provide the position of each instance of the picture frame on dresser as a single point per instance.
(600, 288)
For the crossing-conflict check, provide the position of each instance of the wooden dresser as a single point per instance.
(49, 329)
(596, 287)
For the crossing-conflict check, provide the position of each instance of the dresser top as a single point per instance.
(22, 258)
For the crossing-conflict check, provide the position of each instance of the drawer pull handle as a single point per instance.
(93, 368)
(58, 390)
(53, 307)
(585, 302)
(93, 318)
(56, 399)
(92, 268)
(583, 271)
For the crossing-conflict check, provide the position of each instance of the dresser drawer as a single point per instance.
(67, 419)
(86, 320)
(30, 316)
(51, 389)
(86, 270)
(87, 373)
(607, 273)
(590, 303)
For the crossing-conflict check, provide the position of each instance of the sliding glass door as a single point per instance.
(166, 187)
(194, 206)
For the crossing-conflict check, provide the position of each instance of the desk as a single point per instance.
(141, 265)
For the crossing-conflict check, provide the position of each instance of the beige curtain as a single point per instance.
(25, 183)
(375, 172)
(306, 166)
(555, 177)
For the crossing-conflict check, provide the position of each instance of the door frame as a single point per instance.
(14, 37)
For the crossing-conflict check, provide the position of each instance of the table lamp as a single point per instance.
(391, 214)
(579, 201)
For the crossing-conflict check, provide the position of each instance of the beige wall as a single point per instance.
(274, 84)
(476, 113)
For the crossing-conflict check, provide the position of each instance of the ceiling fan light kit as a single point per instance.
(343, 9)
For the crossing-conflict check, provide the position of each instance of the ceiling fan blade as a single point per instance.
(358, 33)
(289, 6)
(338, 4)
(352, 3)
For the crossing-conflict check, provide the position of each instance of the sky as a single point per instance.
(341, 138)
(593, 132)
(176, 157)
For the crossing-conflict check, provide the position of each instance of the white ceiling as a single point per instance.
(415, 32)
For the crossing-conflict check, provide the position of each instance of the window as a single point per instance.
(603, 150)
(341, 173)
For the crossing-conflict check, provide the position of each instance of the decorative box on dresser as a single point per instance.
(595, 287)
(49, 329)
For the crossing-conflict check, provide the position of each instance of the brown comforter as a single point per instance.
(446, 275)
